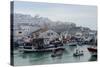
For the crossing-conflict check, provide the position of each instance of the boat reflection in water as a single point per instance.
(93, 58)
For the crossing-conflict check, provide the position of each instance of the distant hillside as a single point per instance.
(57, 26)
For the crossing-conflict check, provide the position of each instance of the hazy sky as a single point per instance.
(85, 16)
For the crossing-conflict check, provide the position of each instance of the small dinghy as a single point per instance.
(57, 52)
(78, 53)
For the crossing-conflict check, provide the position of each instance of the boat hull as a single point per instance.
(92, 49)
(78, 54)
(42, 50)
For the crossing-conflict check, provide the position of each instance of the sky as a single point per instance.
(81, 15)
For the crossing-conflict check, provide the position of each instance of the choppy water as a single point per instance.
(38, 58)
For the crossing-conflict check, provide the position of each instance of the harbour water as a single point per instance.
(38, 58)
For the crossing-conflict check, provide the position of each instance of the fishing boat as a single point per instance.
(38, 45)
(92, 49)
(41, 50)
(78, 53)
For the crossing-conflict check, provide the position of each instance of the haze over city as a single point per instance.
(81, 15)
